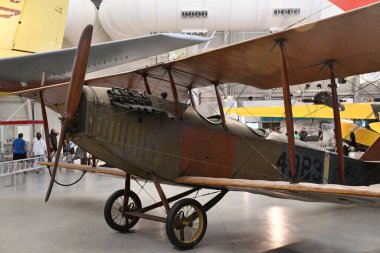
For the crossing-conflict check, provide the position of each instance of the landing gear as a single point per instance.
(114, 213)
(186, 224)
(186, 220)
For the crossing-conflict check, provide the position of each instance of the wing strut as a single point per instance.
(175, 95)
(45, 119)
(147, 88)
(221, 111)
(337, 126)
(288, 112)
(46, 126)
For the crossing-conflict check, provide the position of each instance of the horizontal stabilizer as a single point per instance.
(331, 193)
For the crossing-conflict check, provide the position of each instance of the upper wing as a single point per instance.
(361, 195)
(24, 72)
(350, 39)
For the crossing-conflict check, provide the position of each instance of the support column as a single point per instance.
(147, 88)
(46, 126)
(220, 105)
(2, 139)
(33, 118)
(288, 113)
(337, 126)
(175, 95)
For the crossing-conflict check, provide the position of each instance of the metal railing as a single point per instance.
(17, 166)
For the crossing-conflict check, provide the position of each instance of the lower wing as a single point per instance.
(342, 194)
(330, 193)
(98, 170)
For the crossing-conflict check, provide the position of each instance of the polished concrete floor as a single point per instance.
(72, 221)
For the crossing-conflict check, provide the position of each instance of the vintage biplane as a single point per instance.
(140, 122)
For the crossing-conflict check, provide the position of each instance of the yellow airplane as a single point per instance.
(30, 26)
(375, 126)
(352, 111)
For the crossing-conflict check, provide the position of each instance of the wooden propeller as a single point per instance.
(73, 95)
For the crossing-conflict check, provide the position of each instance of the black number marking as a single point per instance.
(307, 168)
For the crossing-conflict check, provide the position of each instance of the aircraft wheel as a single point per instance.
(113, 211)
(186, 224)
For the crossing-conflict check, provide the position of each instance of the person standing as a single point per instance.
(53, 141)
(39, 147)
(70, 150)
(320, 135)
(303, 134)
(19, 147)
(353, 144)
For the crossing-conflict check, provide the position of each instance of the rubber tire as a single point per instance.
(171, 218)
(108, 207)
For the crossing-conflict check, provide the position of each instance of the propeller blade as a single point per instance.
(73, 95)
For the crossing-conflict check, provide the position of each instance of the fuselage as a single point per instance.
(145, 139)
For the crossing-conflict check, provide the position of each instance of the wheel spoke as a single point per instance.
(182, 234)
(191, 234)
(117, 215)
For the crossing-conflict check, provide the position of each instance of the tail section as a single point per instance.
(29, 26)
(347, 5)
(373, 153)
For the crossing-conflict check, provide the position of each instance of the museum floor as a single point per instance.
(72, 221)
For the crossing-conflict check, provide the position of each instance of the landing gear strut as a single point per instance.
(186, 220)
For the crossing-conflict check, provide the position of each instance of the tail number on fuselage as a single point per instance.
(307, 168)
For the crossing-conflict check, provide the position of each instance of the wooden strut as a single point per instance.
(141, 213)
(161, 193)
(46, 126)
(171, 199)
(220, 105)
(337, 126)
(288, 113)
(127, 188)
(147, 88)
(45, 119)
(175, 95)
